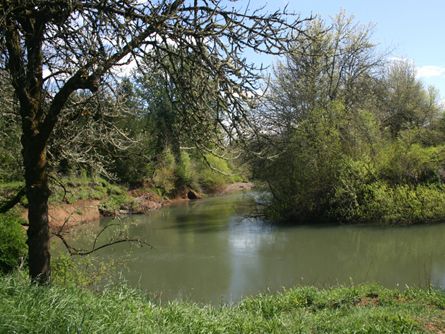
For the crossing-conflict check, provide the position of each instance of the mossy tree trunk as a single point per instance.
(37, 191)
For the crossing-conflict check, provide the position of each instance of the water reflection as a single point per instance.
(208, 251)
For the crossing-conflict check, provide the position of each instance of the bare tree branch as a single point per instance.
(9, 204)
(94, 248)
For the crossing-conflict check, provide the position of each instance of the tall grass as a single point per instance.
(363, 309)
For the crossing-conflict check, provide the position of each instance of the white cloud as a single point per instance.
(430, 71)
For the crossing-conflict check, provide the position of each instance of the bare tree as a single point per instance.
(10, 158)
(53, 48)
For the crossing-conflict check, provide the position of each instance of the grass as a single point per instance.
(361, 309)
(83, 188)
(72, 189)
(77, 188)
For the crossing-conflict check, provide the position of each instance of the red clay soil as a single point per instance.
(85, 211)
(71, 214)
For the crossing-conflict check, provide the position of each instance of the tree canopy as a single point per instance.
(53, 48)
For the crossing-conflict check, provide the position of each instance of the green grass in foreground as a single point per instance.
(362, 309)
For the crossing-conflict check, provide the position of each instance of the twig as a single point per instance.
(82, 252)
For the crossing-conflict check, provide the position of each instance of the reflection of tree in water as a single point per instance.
(327, 255)
(207, 251)
(208, 215)
(190, 249)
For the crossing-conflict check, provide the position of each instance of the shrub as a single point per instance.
(214, 172)
(361, 196)
(351, 189)
(12, 242)
(115, 202)
(303, 176)
(404, 162)
(81, 271)
(184, 172)
(164, 177)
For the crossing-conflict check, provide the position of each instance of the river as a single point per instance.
(210, 251)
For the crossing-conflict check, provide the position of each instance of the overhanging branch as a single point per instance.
(9, 204)
(83, 252)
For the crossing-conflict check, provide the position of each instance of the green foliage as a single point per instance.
(303, 176)
(84, 188)
(363, 309)
(407, 162)
(214, 172)
(162, 129)
(322, 175)
(361, 197)
(185, 171)
(351, 189)
(84, 272)
(9, 189)
(406, 104)
(209, 173)
(405, 204)
(13, 248)
(349, 145)
(114, 202)
(164, 177)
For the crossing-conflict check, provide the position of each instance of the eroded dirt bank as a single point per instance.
(84, 211)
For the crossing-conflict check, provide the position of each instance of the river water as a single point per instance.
(210, 251)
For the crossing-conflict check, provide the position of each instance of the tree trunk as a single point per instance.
(37, 191)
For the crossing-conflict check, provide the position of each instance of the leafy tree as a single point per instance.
(53, 48)
(302, 174)
(340, 133)
(325, 64)
(314, 115)
(404, 103)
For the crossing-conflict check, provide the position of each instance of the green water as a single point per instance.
(208, 251)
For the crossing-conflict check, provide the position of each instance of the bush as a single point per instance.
(171, 175)
(404, 204)
(164, 177)
(362, 196)
(114, 203)
(215, 177)
(87, 272)
(12, 242)
(303, 176)
(403, 162)
(184, 172)
(351, 190)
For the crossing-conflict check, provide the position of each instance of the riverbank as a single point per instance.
(89, 200)
(361, 309)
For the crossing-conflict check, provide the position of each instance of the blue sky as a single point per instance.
(411, 29)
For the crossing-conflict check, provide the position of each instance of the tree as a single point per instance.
(343, 138)
(404, 103)
(10, 159)
(314, 115)
(326, 63)
(53, 48)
